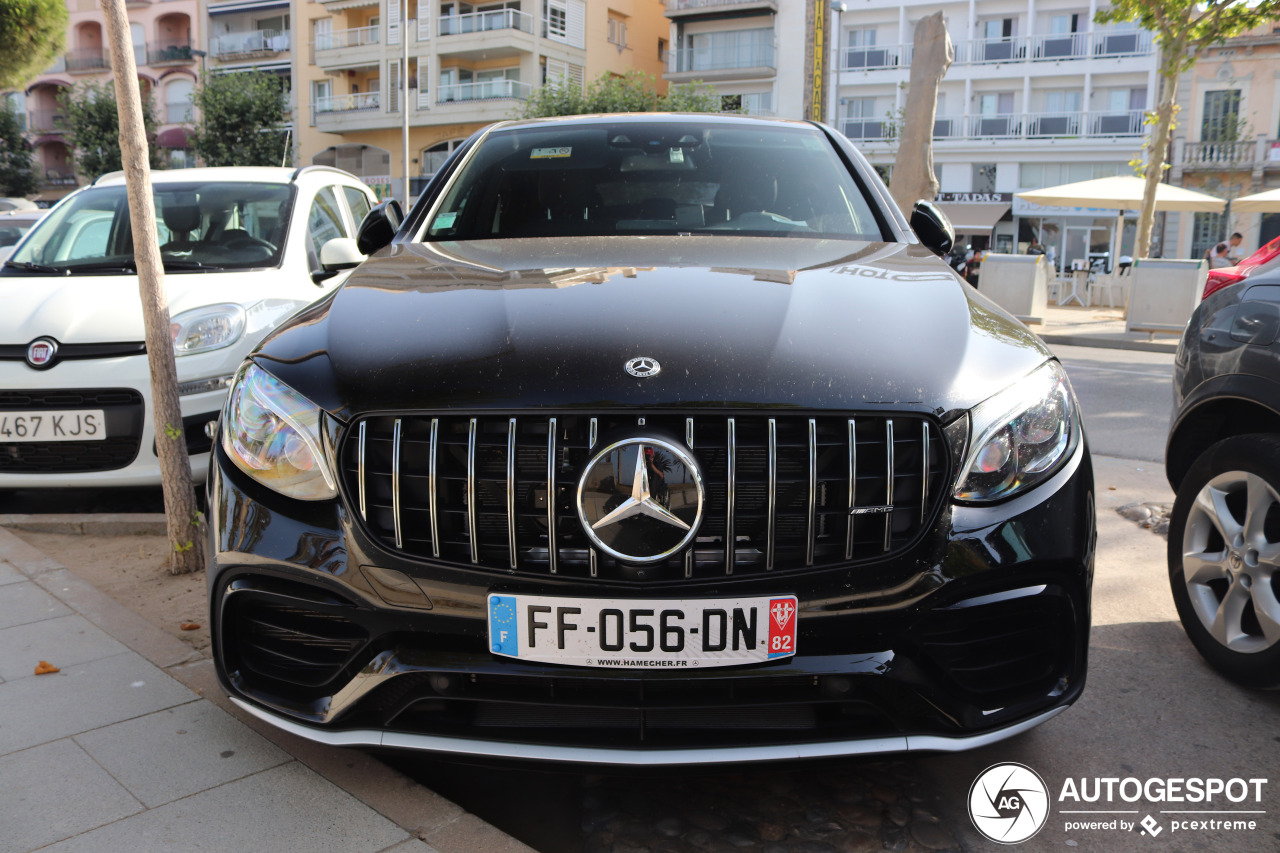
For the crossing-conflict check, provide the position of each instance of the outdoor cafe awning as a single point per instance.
(1123, 192)
(1264, 202)
(974, 217)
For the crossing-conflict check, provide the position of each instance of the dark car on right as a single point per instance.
(1223, 460)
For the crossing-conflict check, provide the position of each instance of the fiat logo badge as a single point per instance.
(41, 351)
(643, 367)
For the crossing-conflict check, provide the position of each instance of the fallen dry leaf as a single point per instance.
(45, 668)
(1112, 488)
(190, 626)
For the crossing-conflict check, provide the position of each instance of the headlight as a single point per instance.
(209, 328)
(1021, 435)
(217, 326)
(272, 433)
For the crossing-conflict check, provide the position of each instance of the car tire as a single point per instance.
(1224, 558)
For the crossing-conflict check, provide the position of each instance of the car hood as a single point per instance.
(733, 321)
(108, 309)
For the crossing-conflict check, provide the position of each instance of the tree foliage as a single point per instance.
(32, 34)
(242, 117)
(1183, 29)
(93, 128)
(17, 171)
(634, 92)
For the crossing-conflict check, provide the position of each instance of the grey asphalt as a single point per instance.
(1126, 397)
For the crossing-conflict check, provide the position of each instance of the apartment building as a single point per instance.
(469, 65)
(1227, 142)
(241, 35)
(1039, 94)
(165, 38)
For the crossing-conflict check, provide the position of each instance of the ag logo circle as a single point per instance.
(1008, 803)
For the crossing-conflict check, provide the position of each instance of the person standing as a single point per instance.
(1034, 247)
(1235, 249)
(1217, 256)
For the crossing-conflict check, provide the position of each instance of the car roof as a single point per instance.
(250, 174)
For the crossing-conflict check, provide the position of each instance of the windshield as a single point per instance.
(201, 226)
(654, 178)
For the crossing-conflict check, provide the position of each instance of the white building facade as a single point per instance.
(1038, 95)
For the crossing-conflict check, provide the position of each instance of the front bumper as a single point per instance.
(131, 373)
(977, 633)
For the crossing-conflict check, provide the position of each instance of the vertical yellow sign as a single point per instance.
(817, 98)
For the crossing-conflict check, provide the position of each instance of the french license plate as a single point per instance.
(61, 425)
(642, 633)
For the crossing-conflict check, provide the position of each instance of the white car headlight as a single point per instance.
(209, 328)
(1020, 436)
(217, 326)
(272, 433)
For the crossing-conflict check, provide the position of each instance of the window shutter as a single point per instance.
(556, 70)
(393, 86)
(576, 23)
(423, 100)
(424, 22)
(393, 21)
(577, 76)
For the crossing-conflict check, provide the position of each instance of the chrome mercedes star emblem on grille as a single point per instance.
(640, 499)
(643, 366)
(640, 502)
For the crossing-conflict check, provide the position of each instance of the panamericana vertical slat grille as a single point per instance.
(779, 490)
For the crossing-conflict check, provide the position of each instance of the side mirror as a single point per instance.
(932, 227)
(340, 254)
(379, 227)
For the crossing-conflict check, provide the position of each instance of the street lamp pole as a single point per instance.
(837, 6)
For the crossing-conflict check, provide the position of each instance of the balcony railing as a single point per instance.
(163, 52)
(719, 58)
(1228, 155)
(1045, 125)
(255, 41)
(43, 121)
(681, 5)
(1096, 45)
(357, 102)
(87, 59)
(59, 178)
(483, 91)
(477, 22)
(358, 37)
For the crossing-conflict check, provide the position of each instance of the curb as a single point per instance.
(105, 524)
(1170, 347)
(445, 826)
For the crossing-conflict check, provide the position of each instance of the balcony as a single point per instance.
(1071, 46)
(358, 102)
(58, 178)
(87, 60)
(487, 90)
(1020, 126)
(249, 45)
(169, 53)
(705, 8)
(354, 48)
(478, 22)
(736, 62)
(1241, 155)
(46, 121)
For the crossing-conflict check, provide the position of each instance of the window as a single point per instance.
(321, 97)
(984, 178)
(358, 202)
(617, 34)
(638, 179)
(555, 20)
(730, 103)
(1061, 25)
(435, 156)
(1207, 230)
(177, 101)
(324, 223)
(997, 28)
(662, 50)
(731, 49)
(322, 33)
(1066, 101)
(995, 103)
(1221, 119)
(1034, 176)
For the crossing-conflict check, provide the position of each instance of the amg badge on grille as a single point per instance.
(640, 499)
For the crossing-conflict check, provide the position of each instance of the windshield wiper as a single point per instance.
(177, 265)
(104, 266)
(30, 267)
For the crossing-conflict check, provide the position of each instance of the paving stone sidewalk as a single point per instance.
(118, 752)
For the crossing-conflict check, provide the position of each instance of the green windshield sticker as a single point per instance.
(548, 153)
(445, 220)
